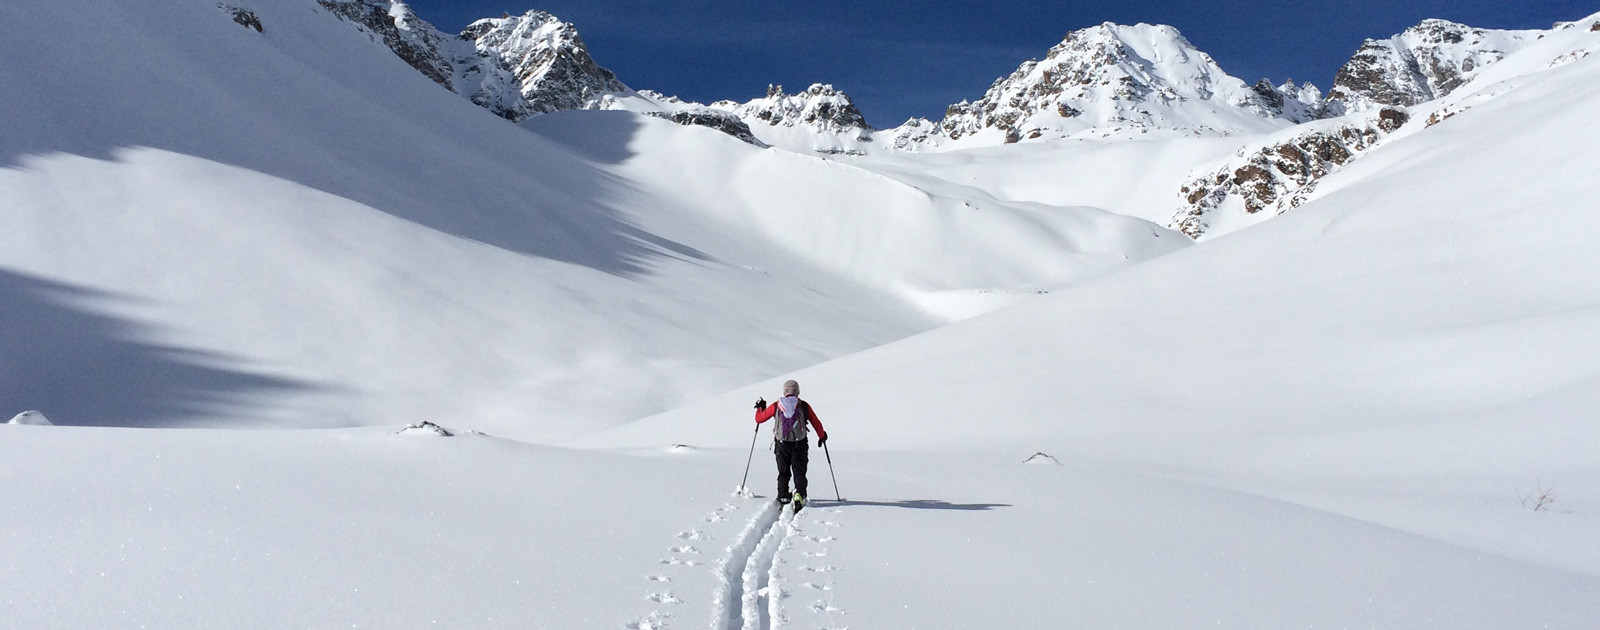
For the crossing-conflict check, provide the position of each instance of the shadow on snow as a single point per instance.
(83, 368)
(916, 504)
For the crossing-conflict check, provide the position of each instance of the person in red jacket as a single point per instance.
(789, 441)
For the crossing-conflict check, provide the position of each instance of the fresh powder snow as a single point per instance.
(330, 336)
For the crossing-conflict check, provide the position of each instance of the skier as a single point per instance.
(789, 441)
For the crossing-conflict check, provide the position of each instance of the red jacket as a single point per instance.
(763, 415)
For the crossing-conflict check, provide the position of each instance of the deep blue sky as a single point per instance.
(903, 59)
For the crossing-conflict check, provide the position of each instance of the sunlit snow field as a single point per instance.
(235, 265)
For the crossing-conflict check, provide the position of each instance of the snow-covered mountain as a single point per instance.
(1420, 64)
(526, 351)
(549, 66)
(514, 66)
(1115, 80)
(530, 64)
(525, 262)
(1284, 170)
(1106, 81)
(811, 117)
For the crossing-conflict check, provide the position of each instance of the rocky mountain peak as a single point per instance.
(820, 108)
(515, 66)
(542, 58)
(1112, 76)
(1422, 63)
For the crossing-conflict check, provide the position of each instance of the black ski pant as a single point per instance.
(792, 457)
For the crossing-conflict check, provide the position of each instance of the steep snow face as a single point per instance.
(1423, 63)
(1107, 80)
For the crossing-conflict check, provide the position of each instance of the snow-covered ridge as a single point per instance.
(534, 63)
(1104, 81)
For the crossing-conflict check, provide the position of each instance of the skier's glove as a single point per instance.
(761, 404)
(822, 438)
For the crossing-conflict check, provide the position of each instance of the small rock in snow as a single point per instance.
(1041, 458)
(426, 428)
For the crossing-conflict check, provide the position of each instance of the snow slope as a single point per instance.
(1415, 351)
(292, 227)
(1336, 418)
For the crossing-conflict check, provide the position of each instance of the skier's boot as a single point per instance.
(799, 501)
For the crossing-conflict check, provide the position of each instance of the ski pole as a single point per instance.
(825, 453)
(749, 458)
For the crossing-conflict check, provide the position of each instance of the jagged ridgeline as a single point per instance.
(1105, 81)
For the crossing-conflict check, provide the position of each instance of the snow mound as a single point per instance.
(31, 417)
(426, 428)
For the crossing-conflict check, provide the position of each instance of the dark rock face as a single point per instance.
(1390, 119)
(1280, 177)
(1381, 74)
(243, 17)
(419, 45)
(718, 120)
(1269, 94)
(1423, 63)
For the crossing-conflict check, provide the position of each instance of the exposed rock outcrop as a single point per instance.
(1279, 176)
(1121, 79)
(416, 42)
(242, 16)
(1423, 63)
(537, 57)
(514, 66)
(719, 120)
(820, 108)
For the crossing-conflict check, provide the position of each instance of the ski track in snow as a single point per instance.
(754, 581)
(683, 555)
